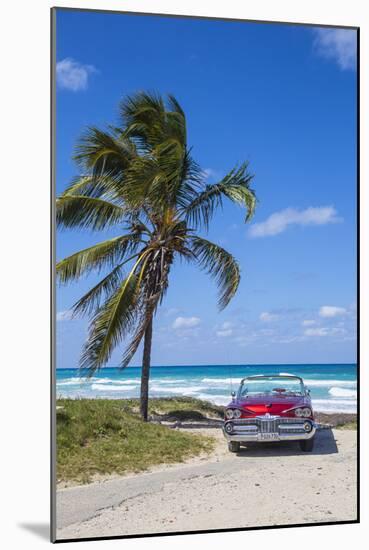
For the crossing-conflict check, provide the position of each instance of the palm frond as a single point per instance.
(90, 302)
(175, 106)
(154, 273)
(104, 254)
(104, 153)
(143, 116)
(102, 187)
(143, 175)
(235, 186)
(221, 265)
(112, 322)
(149, 120)
(146, 316)
(92, 212)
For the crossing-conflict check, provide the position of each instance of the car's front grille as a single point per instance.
(268, 425)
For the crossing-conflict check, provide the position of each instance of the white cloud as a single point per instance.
(338, 45)
(332, 311)
(186, 322)
(225, 330)
(267, 317)
(288, 339)
(324, 331)
(245, 339)
(224, 333)
(64, 315)
(279, 221)
(308, 322)
(72, 75)
(316, 331)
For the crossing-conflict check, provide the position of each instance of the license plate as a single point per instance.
(268, 437)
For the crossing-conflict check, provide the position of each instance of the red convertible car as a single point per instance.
(270, 408)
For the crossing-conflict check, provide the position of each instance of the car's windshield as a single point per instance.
(271, 385)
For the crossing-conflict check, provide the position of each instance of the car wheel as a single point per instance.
(234, 446)
(307, 445)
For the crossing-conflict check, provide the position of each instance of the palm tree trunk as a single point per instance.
(145, 372)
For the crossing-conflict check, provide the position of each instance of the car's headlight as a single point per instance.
(306, 412)
(299, 412)
(229, 413)
(236, 413)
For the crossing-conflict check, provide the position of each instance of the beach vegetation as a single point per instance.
(100, 437)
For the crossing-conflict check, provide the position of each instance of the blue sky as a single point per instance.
(282, 97)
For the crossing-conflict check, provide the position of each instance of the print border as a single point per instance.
(53, 12)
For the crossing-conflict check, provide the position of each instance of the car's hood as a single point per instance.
(272, 404)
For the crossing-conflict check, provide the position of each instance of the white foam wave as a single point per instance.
(184, 390)
(308, 382)
(72, 382)
(86, 381)
(120, 382)
(106, 387)
(98, 380)
(334, 405)
(218, 380)
(342, 392)
(216, 399)
(171, 381)
(346, 383)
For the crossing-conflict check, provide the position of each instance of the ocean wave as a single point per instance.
(184, 390)
(346, 383)
(171, 381)
(76, 381)
(219, 380)
(216, 399)
(106, 387)
(335, 405)
(342, 392)
(98, 380)
(308, 382)
(128, 382)
(73, 382)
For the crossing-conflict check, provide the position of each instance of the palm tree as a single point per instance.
(140, 176)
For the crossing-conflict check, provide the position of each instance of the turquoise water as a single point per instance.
(333, 387)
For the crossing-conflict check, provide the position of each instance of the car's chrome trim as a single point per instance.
(279, 428)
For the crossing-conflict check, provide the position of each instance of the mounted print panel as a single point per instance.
(205, 352)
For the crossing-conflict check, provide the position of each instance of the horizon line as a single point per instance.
(213, 365)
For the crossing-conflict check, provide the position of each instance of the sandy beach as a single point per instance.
(263, 485)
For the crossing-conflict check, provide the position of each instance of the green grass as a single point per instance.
(101, 436)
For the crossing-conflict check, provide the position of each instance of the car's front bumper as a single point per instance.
(272, 428)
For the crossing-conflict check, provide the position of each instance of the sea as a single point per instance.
(333, 387)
